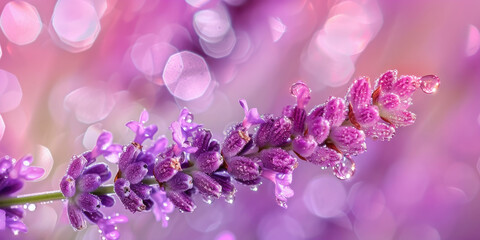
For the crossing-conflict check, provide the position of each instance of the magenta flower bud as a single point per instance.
(67, 186)
(201, 140)
(166, 169)
(367, 116)
(319, 128)
(225, 181)
(88, 202)
(385, 81)
(243, 168)
(94, 216)
(324, 157)
(298, 118)
(75, 216)
(278, 160)
(101, 169)
(181, 201)
(402, 118)
(76, 166)
(389, 101)
(274, 132)
(130, 200)
(235, 141)
(335, 111)
(135, 172)
(88, 182)
(128, 156)
(405, 86)
(143, 191)
(209, 162)
(214, 146)
(380, 131)
(359, 94)
(349, 140)
(304, 145)
(106, 200)
(206, 185)
(180, 182)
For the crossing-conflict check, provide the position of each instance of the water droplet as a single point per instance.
(297, 88)
(25, 206)
(344, 169)
(230, 198)
(208, 199)
(254, 188)
(15, 232)
(31, 207)
(282, 203)
(429, 83)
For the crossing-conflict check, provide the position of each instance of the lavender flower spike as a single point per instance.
(12, 175)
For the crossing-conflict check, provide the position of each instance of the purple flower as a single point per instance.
(363, 114)
(393, 97)
(142, 132)
(108, 228)
(104, 147)
(274, 132)
(251, 116)
(282, 185)
(82, 178)
(182, 129)
(162, 206)
(12, 175)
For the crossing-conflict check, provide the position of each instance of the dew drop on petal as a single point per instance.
(429, 83)
(10, 91)
(20, 22)
(297, 88)
(186, 75)
(344, 169)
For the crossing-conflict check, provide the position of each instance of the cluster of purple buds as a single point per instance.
(84, 176)
(160, 177)
(12, 175)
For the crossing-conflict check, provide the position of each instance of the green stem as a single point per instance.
(57, 195)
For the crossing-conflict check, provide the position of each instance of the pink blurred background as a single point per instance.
(70, 68)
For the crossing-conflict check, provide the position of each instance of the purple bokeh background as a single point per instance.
(71, 68)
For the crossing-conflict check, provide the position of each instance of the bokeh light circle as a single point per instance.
(10, 91)
(186, 75)
(76, 23)
(20, 22)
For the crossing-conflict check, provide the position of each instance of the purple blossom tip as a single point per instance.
(335, 111)
(251, 116)
(22, 169)
(324, 157)
(282, 186)
(349, 140)
(274, 132)
(162, 206)
(278, 160)
(105, 147)
(319, 128)
(304, 145)
(182, 201)
(235, 141)
(243, 168)
(75, 216)
(206, 185)
(141, 132)
(166, 169)
(301, 91)
(108, 228)
(180, 182)
(209, 162)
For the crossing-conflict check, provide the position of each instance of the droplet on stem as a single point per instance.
(429, 83)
